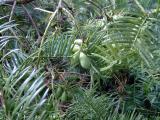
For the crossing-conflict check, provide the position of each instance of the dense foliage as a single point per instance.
(80, 60)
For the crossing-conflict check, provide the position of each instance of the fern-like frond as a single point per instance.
(58, 46)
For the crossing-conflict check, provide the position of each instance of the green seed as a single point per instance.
(78, 41)
(64, 97)
(84, 61)
(75, 58)
(59, 92)
(76, 48)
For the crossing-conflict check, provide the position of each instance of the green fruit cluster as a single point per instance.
(84, 61)
(62, 95)
(80, 57)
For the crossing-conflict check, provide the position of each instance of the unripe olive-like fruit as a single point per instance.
(84, 61)
(76, 48)
(69, 96)
(59, 92)
(75, 58)
(64, 97)
(78, 41)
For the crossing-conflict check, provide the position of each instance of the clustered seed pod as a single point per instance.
(78, 56)
(63, 95)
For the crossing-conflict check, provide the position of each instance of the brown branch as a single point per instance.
(33, 23)
(12, 1)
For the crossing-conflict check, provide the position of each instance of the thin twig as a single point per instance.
(101, 10)
(70, 8)
(140, 6)
(47, 28)
(47, 11)
(10, 18)
(32, 21)
(75, 73)
(13, 7)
